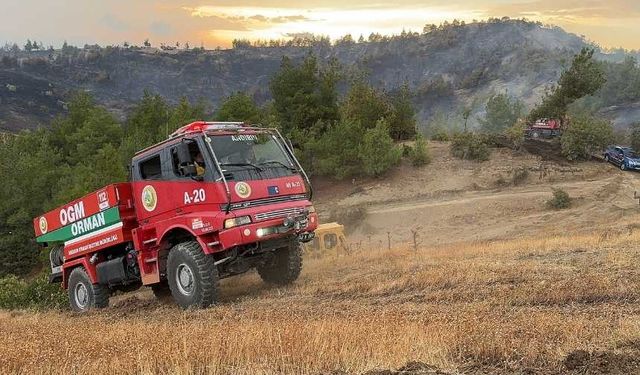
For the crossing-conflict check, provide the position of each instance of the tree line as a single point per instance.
(88, 147)
(356, 134)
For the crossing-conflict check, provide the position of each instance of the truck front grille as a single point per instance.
(279, 213)
(264, 201)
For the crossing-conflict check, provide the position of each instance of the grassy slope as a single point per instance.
(471, 307)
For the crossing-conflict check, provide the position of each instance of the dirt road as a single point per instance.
(452, 200)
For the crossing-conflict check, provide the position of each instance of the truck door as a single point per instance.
(150, 188)
(189, 193)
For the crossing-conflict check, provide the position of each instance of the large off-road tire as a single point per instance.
(623, 167)
(192, 276)
(606, 158)
(283, 267)
(83, 295)
(161, 291)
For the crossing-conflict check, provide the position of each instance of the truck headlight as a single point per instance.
(236, 221)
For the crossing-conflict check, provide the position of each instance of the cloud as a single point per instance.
(571, 9)
(612, 22)
(161, 28)
(280, 19)
(114, 23)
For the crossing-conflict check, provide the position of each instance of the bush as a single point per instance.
(560, 200)
(346, 149)
(502, 111)
(420, 153)
(12, 294)
(585, 136)
(440, 136)
(520, 175)
(634, 136)
(469, 146)
(377, 152)
(407, 151)
(492, 139)
(335, 153)
(515, 134)
(36, 294)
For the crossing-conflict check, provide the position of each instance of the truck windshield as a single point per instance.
(252, 156)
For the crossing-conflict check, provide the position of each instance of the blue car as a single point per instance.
(624, 157)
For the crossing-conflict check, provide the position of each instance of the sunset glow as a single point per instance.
(611, 24)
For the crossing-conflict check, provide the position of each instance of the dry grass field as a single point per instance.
(554, 305)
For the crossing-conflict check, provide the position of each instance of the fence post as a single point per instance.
(415, 234)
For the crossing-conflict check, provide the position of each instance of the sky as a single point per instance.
(613, 23)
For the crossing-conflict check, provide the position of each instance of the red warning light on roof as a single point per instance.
(200, 126)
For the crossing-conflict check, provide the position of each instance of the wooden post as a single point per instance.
(415, 234)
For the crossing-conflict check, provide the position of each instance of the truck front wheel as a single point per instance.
(83, 295)
(283, 267)
(192, 276)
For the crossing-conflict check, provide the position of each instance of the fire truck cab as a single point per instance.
(212, 201)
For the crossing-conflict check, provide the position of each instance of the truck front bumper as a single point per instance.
(301, 226)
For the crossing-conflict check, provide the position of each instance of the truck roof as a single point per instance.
(197, 127)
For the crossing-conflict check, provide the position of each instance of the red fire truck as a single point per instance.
(214, 200)
(544, 128)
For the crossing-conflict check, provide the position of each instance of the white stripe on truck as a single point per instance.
(89, 235)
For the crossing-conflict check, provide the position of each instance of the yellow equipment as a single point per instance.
(329, 236)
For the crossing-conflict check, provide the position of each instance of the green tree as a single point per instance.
(634, 136)
(469, 146)
(502, 112)
(49, 167)
(377, 152)
(305, 95)
(365, 104)
(420, 153)
(586, 136)
(153, 120)
(239, 107)
(183, 113)
(335, 152)
(515, 134)
(402, 122)
(584, 77)
(30, 168)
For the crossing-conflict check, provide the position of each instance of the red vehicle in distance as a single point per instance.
(544, 128)
(212, 201)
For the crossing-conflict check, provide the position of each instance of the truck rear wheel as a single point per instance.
(284, 267)
(192, 276)
(84, 295)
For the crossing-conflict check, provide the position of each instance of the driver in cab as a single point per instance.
(198, 161)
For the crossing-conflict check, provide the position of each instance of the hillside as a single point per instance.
(448, 68)
(499, 285)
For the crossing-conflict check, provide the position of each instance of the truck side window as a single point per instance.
(196, 158)
(151, 169)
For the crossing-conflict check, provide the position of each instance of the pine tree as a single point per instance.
(239, 107)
